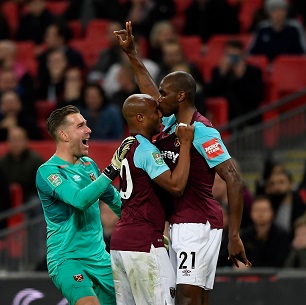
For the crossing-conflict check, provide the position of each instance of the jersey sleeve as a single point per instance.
(113, 199)
(51, 180)
(168, 121)
(149, 159)
(208, 143)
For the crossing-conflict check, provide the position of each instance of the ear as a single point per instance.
(181, 96)
(139, 117)
(63, 135)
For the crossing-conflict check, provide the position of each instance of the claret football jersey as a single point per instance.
(197, 205)
(142, 218)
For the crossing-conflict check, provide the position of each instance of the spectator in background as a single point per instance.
(108, 56)
(24, 88)
(20, 163)
(286, 201)
(73, 86)
(86, 10)
(33, 24)
(13, 114)
(111, 83)
(173, 59)
(109, 219)
(297, 255)
(56, 37)
(103, 118)
(127, 85)
(161, 32)
(51, 87)
(266, 243)
(278, 35)
(236, 80)
(299, 6)
(210, 17)
(4, 26)
(145, 13)
(5, 198)
(219, 192)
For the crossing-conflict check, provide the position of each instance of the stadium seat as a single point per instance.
(16, 240)
(246, 13)
(96, 29)
(191, 47)
(76, 29)
(10, 11)
(181, 5)
(288, 74)
(217, 110)
(57, 8)
(43, 110)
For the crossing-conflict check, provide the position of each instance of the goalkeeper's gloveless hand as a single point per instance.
(112, 171)
(122, 151)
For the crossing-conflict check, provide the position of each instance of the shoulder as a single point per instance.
(168, 121)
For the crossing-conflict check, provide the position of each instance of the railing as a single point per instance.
(22, 245)
(282, 126)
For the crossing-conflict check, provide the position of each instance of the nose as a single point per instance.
(88, 130)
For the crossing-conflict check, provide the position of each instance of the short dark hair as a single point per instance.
(58, 118)
(183, 81)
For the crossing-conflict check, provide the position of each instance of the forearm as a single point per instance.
(145, 82)
(235, 202)
(84, 198)
(180, 174)
(112, 198)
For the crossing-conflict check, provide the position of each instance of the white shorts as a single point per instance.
(194, 250)
(143, 278)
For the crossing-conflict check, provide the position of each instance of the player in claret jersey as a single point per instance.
(141, 267)
(196, 219)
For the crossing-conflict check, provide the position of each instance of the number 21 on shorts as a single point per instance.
(187, 262)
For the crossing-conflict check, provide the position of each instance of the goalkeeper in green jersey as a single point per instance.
(70, 185)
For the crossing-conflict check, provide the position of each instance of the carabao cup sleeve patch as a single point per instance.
(158, 158)
(212, 148)
(55, 179)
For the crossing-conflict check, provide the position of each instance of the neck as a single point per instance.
(65, 155)
(134, 131)
(184, 115)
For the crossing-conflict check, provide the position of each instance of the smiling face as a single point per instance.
(76, 134)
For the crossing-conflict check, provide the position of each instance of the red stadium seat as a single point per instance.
(43, 109)
(246, 13)
(76, 29)
(288, 74)
(181, 5)
(96, 29)
(10, 11)
(57, 8)
(217, 110)
(191, 47)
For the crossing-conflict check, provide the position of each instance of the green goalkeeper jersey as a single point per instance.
(69, 194)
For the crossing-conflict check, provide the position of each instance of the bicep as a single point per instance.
(227, 171)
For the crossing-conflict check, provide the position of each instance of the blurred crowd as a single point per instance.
(54, 53)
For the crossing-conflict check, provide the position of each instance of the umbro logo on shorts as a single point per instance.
(186, 272)
(78, 277)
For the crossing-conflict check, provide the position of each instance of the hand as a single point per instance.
(237, 253)
(122, 151)
(126, 38)
(184, 133)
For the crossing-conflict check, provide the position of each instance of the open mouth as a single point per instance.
(85, 142)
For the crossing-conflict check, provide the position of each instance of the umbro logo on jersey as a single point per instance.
(212, 148)
(186, 272)
(76, 178)
(78, 277)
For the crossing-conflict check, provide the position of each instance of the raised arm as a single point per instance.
(144, 79)
(234, 183)
(175, 182)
